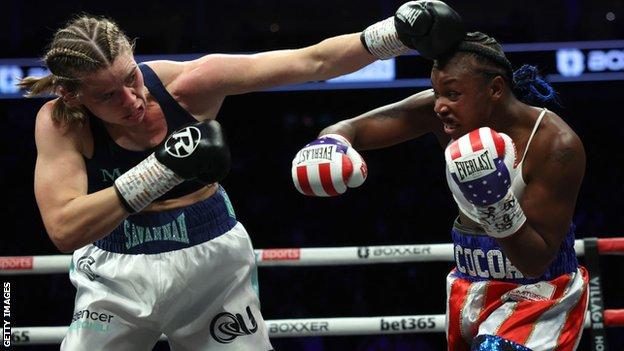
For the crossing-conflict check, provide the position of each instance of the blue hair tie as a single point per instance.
(532, 89)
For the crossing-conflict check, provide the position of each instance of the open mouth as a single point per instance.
(449, 128)
(136, 115)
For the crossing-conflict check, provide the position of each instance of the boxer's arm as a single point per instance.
(222, 74)
(71, 217)
(557, 166)
(391, 124)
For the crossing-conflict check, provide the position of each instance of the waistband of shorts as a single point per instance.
(478, 257)
(157, 232)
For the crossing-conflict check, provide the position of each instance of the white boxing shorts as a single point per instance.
(201, 297)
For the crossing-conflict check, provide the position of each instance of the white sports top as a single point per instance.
(517, 182)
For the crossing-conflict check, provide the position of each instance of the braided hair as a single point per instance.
(526, 83)
(85, 45)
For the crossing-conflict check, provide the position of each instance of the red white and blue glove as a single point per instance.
(481, 164)
(327, 166)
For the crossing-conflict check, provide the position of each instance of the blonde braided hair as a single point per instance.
(77, 49)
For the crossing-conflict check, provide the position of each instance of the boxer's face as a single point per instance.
(116, 94)
(461, 97)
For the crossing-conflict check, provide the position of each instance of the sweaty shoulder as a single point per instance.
(555, 146)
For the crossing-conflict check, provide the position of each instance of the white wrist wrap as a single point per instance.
(382, 40)
(145, 182)
(502, 219)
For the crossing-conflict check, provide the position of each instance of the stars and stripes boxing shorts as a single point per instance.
(546, 315)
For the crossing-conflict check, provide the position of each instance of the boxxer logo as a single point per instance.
(183, 142)
(225, 327)
(363, 252)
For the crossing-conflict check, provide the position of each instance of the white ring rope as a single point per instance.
(278, 257)
(284, 328)
(308, 257)
(329, 256)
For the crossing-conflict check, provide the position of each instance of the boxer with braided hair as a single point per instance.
(128, 163)
(514, 170)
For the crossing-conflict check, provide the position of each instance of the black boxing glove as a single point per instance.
(429, 26)
(198, 151)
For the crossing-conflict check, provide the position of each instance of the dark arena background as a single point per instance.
(577, 44)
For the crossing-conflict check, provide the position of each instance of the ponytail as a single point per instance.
(63, 113)
(530, 88)
(37, 85)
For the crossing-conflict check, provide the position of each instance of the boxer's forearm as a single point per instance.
(237, 74)
(528, 251)
(337, 56)
(85, 219)
(346, 128)
(389, 125)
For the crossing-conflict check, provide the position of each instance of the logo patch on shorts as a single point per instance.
(541, 291)
(92, 320)
(84, 266)
(226, 326)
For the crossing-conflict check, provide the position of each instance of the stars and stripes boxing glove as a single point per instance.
(327, 166)
(481, 167)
